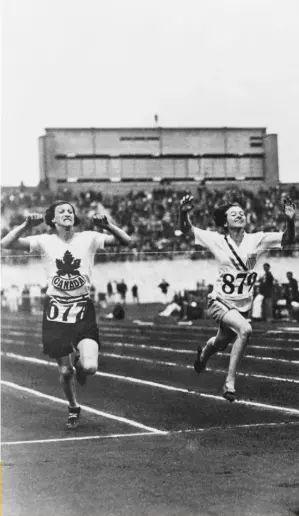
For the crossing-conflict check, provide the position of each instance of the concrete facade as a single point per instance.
(85, 157)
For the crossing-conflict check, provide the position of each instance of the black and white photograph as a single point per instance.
(150, 258)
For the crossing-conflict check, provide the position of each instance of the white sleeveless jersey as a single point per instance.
(68, 265)
(236, 277)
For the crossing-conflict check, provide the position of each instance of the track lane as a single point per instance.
(284, 365)
(48, 417)
(144, 475)
(152, 405)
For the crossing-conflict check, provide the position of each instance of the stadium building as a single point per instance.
(119, 159)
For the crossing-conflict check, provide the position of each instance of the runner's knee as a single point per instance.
(89, 365)
(223, 339)
(245, 331)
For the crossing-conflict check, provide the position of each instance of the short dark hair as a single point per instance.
(220, 214)
(50, 213)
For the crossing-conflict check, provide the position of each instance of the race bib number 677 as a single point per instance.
(68, 314)
(237, 284)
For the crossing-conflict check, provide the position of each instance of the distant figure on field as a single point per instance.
(164, 289)
(122, 290)
(267, 290)
(292, 296)
(135, 294)
(109, 292)
(25, 300)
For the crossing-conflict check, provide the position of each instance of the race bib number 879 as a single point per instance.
(68, 314)
(237, 284)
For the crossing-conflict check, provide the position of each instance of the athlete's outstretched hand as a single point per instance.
(34, 219)
(100, 221)
(186, 203)
(289, 208)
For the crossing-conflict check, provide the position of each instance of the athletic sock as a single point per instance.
(74, 410)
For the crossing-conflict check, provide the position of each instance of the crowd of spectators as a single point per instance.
(151, 218)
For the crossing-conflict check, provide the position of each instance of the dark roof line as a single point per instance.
(156, 128)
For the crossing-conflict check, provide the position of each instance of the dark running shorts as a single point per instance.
(65, 324)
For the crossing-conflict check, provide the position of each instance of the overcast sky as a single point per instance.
(97, 63)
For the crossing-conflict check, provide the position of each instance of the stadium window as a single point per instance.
(139, 139)
(256, 141)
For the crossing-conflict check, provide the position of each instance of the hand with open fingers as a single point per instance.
(186, 203)
(100, 220)
(289, 208)
(34, 219)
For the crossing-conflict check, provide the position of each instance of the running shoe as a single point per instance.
(199, 365)
(229, 394)
(73, 419)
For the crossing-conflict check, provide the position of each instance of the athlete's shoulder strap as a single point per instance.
(238, 258)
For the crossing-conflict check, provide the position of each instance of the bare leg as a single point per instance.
(218, 343)
(66, 371)
(238, 324)
(87, 362)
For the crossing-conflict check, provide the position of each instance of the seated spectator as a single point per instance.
(175, 307)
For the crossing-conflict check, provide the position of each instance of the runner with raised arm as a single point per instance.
(69, 320)
(230, 301)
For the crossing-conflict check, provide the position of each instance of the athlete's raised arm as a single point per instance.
(117, 234)
(13, 239)
(186, 205)
(289, 209)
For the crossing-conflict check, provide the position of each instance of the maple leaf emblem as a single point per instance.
(68, 265)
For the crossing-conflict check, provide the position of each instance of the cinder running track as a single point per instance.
(155, 439)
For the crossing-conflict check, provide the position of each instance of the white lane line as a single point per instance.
(84, 407)
(31, 360)
(236, 427)
(184, 340)
(270, 359)
(182, 351)
(157, 332)
(289, 410)
(173, 364)
(86, 438)
(24, 334)
(158, 362)
(294, 329)
(18, 343)
(167, 433)
(166, 327)
(274, 348)
(110, 333)
(102, 324)
(286, 339)
(180, 339)
(139, 381)
(187, 351)
(212, 370)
